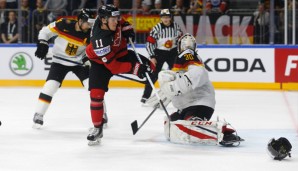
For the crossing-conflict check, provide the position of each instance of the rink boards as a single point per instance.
(229, 66)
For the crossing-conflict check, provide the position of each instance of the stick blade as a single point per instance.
(134, 127)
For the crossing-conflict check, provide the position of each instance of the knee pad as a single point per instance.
(50, 87)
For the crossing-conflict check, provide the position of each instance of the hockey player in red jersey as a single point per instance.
(109, 55)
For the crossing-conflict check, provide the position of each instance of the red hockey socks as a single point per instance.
(96, 106)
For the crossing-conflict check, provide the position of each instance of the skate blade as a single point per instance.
(145, 105)
(93, 143)
(234, 143)
(36, 126)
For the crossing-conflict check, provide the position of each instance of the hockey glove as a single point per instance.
(153, 100)
(128, 31)
(86, 62)
(42, 49)
(141, 69)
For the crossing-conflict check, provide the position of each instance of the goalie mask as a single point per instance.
(187, 54)
(280, 148)
(187, 41)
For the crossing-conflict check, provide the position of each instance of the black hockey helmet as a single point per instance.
(109, 10)
(280, 148)
(85, 14)
(165, 12)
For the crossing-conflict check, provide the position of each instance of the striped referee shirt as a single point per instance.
(163, 38)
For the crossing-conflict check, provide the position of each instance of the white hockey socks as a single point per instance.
(45, 96)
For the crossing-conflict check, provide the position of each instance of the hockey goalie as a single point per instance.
(191, 92)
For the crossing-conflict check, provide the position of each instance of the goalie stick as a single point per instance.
(134, 124)
(149, 79)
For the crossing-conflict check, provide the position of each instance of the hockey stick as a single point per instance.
(122, 76)
(134, 124)
(132, 79)
(149, 80)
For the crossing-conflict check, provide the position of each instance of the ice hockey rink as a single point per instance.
(61, 144)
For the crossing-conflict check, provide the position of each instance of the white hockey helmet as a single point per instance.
(187, 41)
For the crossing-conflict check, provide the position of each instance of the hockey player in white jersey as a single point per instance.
(68, 55)
(188, 86)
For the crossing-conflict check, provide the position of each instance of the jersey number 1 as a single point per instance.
(100, 42)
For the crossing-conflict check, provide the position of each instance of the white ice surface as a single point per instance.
(61, 143)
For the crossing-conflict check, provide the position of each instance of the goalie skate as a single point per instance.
(95, 136)
(37, 121)
(231, 140)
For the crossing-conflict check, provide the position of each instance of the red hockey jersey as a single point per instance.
(106, 47)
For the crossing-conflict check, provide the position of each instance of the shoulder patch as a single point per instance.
(103, 51)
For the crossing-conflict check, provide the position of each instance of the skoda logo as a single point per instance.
(21, 64)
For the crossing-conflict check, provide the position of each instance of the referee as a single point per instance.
(162, 46)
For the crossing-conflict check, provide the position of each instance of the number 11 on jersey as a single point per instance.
(100, 43)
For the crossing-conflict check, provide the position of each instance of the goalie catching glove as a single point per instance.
(42, 49)
(173, 84)
(153, 100)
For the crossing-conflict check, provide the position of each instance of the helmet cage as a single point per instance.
(187, 41)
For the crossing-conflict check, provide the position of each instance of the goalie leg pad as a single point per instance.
(193, 132)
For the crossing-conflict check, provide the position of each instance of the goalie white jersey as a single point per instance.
(198, 90)
(69, 46)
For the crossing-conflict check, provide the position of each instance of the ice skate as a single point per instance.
(231, 140)
(95, 136)
(143, 102)
(37, 121)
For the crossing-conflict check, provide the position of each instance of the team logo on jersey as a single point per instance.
(71, 49)
(103, 51)
(21, 64)
(117, 37)
(169, 44)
